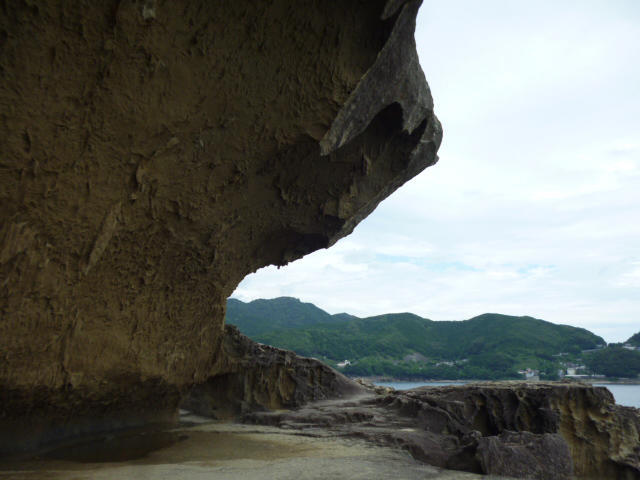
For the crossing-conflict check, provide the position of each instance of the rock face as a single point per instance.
(249, 376)
(546, 431)
(153, 153)
(525, 455)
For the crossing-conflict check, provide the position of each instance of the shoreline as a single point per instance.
(382, 379)
(610, 381)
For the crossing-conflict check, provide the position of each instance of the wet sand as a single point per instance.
(222, 451)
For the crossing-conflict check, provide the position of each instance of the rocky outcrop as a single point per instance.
(250, 376)
(153, 153)
(525, 455)
(603, 438)
(523, 430)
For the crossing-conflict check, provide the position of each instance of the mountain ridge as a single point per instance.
(493, 345)
(284, 312)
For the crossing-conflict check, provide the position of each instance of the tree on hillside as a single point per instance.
(614, 362)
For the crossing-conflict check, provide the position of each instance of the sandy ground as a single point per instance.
(223, 451)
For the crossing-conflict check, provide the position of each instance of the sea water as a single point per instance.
(627, 395)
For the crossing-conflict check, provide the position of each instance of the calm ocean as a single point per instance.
(628, 395)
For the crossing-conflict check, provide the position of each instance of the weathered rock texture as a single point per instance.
(250, 376)
(545, 431)
(525, 455)
(152, 153)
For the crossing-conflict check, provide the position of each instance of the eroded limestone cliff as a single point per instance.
(153, 153)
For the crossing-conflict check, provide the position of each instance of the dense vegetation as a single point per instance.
(404, 345)
(261, 316)
(634, 340)
(614, 361)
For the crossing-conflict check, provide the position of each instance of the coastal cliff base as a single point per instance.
(550, 431)
(543, 431)
(537, 430)
(250, 376)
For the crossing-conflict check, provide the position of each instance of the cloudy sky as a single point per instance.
(533, 208)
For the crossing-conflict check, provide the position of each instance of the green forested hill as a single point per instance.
(487, 346)
(614, 361)
(261, 316)
(634, 340)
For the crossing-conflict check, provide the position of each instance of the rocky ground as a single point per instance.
(546, 431)
(226, 452)
(250, 376)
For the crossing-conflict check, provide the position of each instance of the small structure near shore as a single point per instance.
(531, 375)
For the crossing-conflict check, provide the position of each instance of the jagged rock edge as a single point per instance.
(410, 90)
(372, 95)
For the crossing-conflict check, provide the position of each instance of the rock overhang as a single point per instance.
(153, 154)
